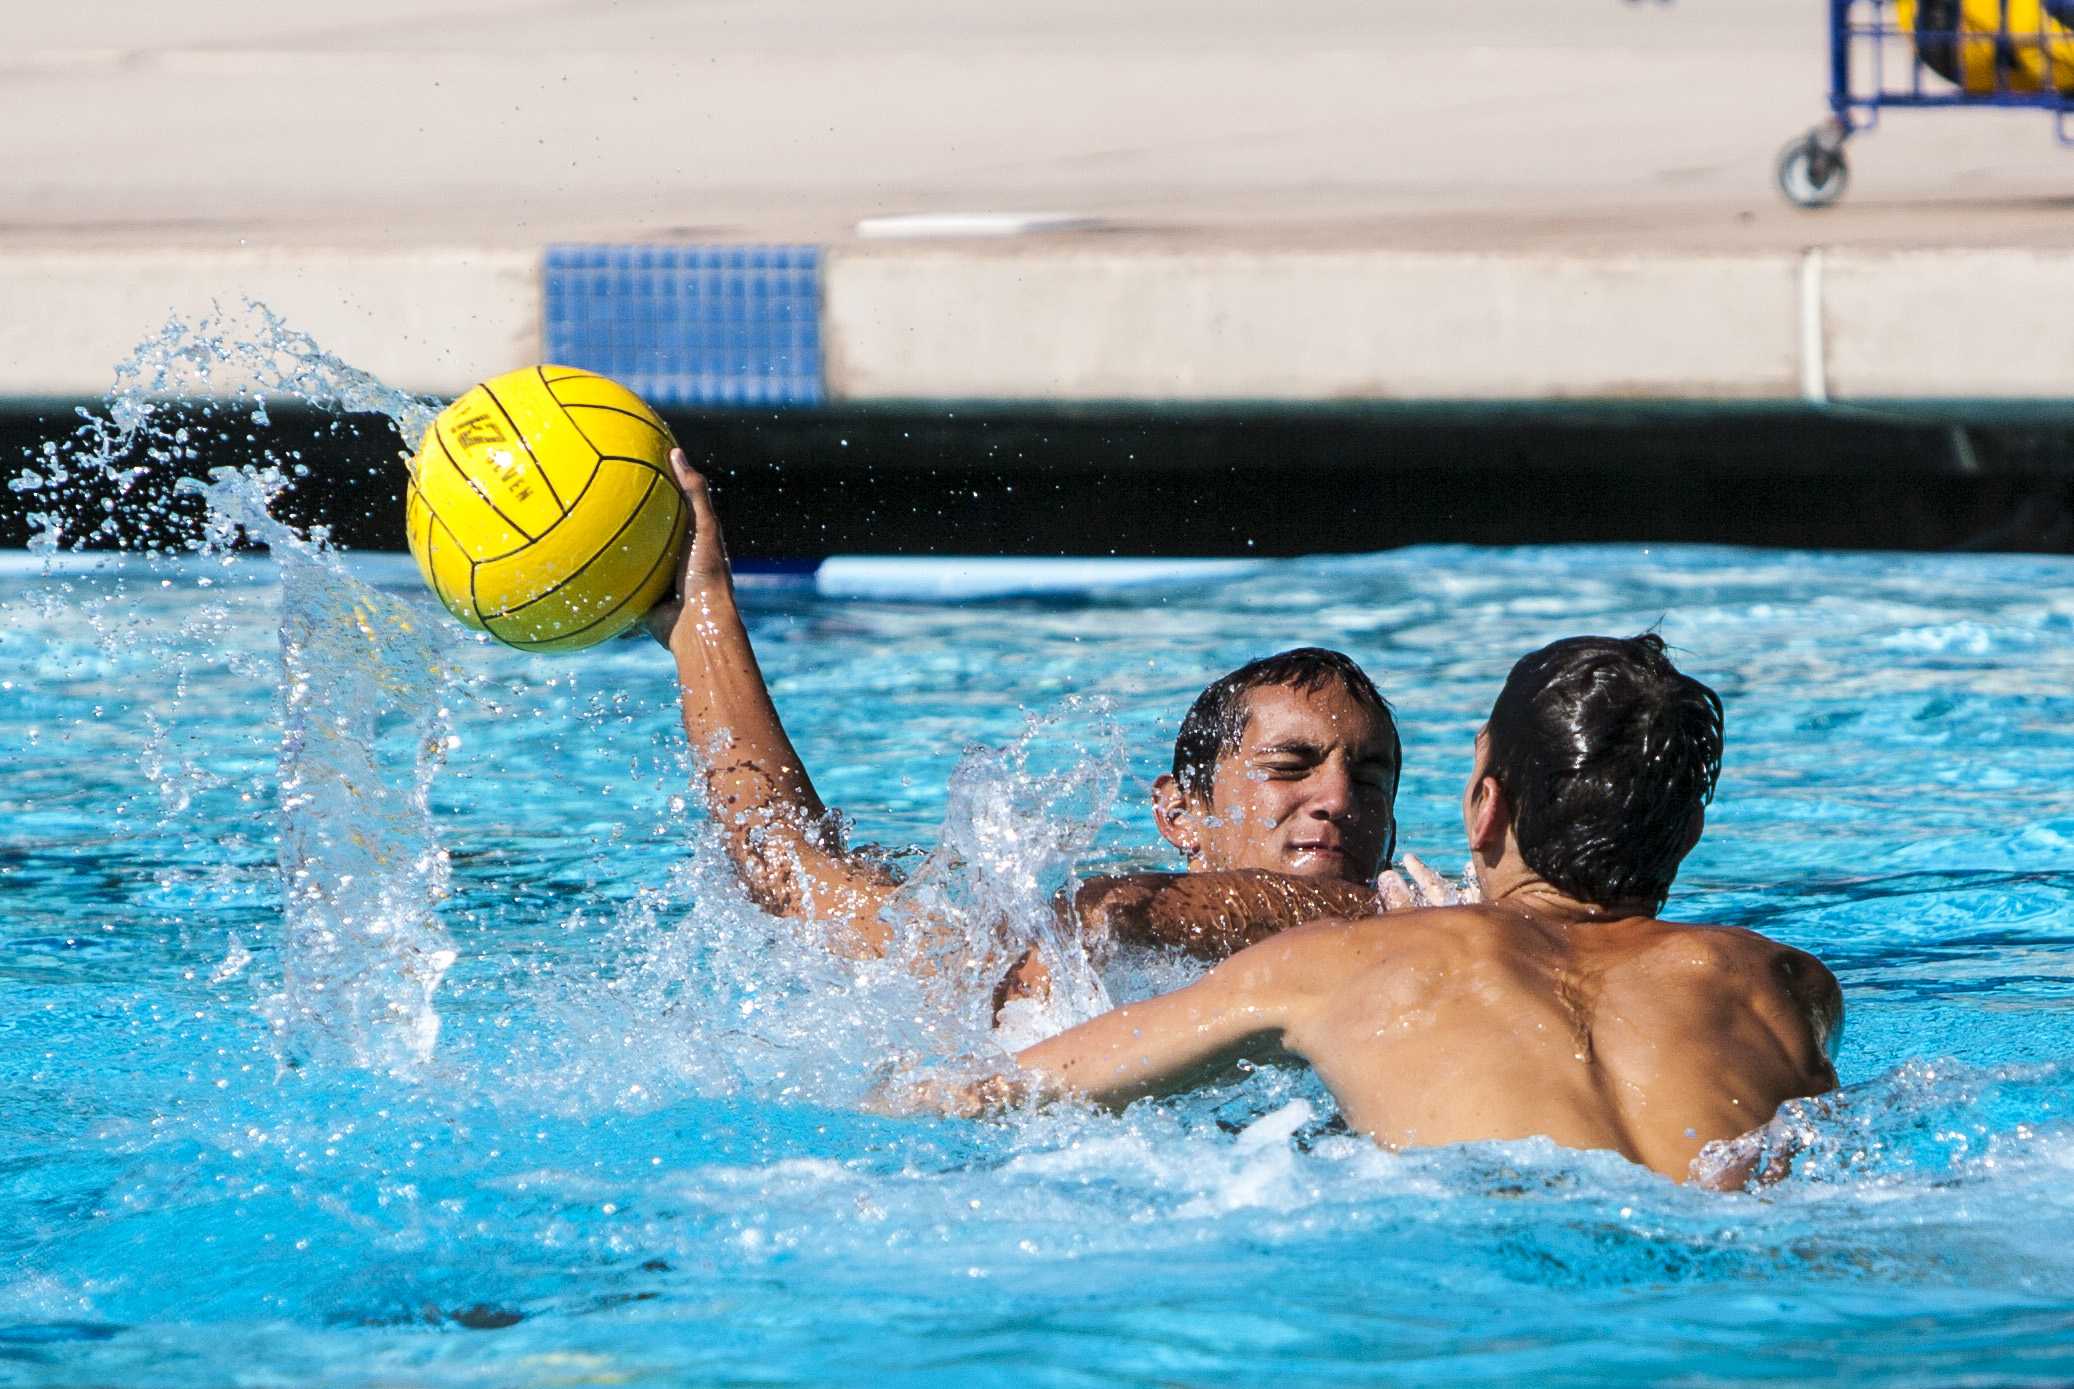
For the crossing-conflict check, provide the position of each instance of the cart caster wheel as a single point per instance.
(1812, 172)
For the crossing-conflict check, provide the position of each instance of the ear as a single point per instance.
(1175, 817)
(1490, 815)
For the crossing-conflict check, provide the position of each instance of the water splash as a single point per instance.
(110, 484)
(1018, 819)
(714, 994)
(694, 990)
(361, 952)
(1938, 1119)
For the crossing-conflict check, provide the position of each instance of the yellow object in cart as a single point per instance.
(1989, 46)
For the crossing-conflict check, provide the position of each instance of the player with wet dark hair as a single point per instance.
(1216, 723)
(1283, 801)
(1559, 1005)
(1609, 757)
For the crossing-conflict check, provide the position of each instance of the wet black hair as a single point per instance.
(1609, 756)
(1217, 720)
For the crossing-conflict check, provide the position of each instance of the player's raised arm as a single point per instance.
(780, 836)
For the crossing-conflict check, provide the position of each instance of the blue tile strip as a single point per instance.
(691, 325)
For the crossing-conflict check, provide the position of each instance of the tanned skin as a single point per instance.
(1531, 1013)
(1292, 829)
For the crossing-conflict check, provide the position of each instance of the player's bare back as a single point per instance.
(1638, 1035)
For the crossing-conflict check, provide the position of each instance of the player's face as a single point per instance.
(1310, 789)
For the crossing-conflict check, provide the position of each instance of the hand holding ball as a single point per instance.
(541, 508)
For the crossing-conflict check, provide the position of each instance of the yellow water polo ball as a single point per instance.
(541, 508)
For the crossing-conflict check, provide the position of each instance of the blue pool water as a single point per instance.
(629, 1154)
(377, 1010)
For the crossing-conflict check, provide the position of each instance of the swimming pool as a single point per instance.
(381, 1013)
(349, 1040)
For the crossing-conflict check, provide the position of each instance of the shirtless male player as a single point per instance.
(1282, 798)
(1559, 1005)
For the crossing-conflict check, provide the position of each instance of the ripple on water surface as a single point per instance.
(626, 1152)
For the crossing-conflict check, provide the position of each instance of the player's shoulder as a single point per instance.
(1334, 950)
(1309, 950)
(1408, 926)
(1738, 952)
(1737, 968)
(1698, 946)
(1449, 939)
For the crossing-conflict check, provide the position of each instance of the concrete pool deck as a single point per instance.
(1323, 200)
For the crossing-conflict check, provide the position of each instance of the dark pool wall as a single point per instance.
(800, 484)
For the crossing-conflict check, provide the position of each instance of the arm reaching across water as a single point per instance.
(1215, 915)
(1212, 915)
(1242, 1010)
(1238, 1011)
(782, 839)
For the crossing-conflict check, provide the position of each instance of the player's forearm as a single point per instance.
(1213, 915)
(751, 765)
(1157, 1047)
(757, 787)
(1094, 1061)
(1247, 1008)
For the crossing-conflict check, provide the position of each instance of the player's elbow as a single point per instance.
(1091, 905)
(1106, 909)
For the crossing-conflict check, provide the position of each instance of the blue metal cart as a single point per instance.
(1886, 53)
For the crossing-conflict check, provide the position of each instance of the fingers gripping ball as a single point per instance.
(541, 508)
